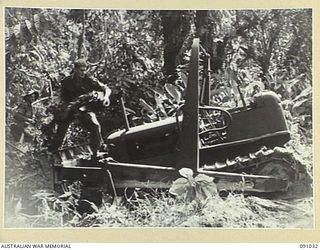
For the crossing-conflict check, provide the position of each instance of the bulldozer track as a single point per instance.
(242, 163)
(277, 162)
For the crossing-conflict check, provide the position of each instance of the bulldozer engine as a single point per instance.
(222, 134)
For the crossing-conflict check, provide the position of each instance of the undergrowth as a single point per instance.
(163, 210)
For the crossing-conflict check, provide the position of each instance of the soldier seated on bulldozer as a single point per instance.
(79, 95)
(23, 117)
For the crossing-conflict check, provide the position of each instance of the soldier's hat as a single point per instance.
(80, 63)
(30, 93)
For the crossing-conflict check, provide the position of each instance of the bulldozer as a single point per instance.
(235, 146)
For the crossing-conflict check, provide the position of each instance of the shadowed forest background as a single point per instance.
(136, 53)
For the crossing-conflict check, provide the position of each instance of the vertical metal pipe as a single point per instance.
(207, 90)
(124, 114)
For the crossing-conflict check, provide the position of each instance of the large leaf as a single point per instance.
(159, 101)
(208, 190)
(202, 193)
(186, 172)
(205, 186)
(202, 178)
(179, 187)
(147, 107)
(37, 22)
(173, 92)
(25, 30)
(7, 33)
(16, 30)
(304, 94)
(302, 106)
(184, 79)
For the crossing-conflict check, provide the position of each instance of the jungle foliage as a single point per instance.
(142, 56)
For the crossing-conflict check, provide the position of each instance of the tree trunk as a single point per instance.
(265, 61)
(176, 27)
(81, 37)
(202, 29)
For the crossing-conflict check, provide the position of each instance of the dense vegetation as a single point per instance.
(137, 53)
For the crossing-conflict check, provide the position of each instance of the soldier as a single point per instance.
(76, 91)
(23, 117)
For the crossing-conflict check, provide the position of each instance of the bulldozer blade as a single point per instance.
(247, 183)
(224, 180)
(163, 176)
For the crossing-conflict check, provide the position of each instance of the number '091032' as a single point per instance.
(309, 246)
